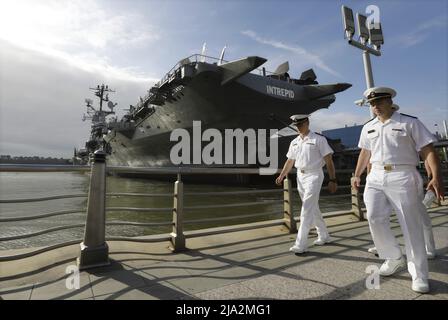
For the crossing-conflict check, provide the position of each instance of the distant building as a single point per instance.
(349, 136)
(344, 142)
(33, 160)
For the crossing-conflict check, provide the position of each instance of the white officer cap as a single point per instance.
(378, 93)
(299, 118)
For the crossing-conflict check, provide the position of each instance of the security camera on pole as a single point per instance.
(369, 33)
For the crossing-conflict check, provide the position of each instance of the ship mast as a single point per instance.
(98, 118)
(99, 92)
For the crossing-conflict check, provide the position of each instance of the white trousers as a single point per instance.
(309, 185)
(402, 191)
(430, 244)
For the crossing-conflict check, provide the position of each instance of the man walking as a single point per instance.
(308, 152)
(391, 142)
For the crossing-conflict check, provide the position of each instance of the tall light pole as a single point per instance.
(445, 155)
(446, 129)
(369, 34)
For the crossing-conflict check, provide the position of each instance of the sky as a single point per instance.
(52, 51)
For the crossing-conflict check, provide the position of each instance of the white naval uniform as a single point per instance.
(428, 235)
(308, 154)
(396, 143)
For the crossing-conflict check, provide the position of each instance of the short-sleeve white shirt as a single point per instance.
(309, 152)
(397, 141)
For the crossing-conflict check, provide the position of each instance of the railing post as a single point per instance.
(177, 236)
(356, 201)
(288, 213)
(94, 249)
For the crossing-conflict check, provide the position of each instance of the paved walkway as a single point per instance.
(239, 265)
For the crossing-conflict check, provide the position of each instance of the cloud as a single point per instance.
(303, 53)
(423, 31)
(437, 22)
(42, 101)
(82, 33)
(51, 52)
(100, 64)
(75, 24)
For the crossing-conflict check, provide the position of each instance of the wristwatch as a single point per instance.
(333, 180)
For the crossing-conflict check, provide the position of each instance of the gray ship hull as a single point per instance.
(242, 103)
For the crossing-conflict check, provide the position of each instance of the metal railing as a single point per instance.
(94, 250)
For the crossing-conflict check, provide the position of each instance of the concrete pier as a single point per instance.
(251, 264)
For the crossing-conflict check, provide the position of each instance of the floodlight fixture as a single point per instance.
(376, 36)
(363, 31)
(348, 21)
